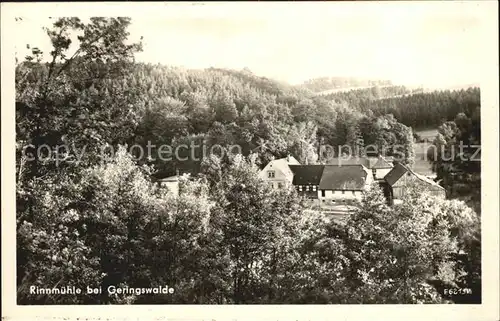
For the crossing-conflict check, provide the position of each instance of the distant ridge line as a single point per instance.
(344, 89)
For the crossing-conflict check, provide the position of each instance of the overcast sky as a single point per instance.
(433, 44)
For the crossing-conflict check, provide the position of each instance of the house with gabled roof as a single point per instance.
(401, 176)
(343, 183)
(278, 173)
(331, 183)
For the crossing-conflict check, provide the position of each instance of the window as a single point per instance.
(353, 193)
(343, 192)
(333, 201)
(323, 193)
(307, 188)
(300, 188)
(271, 185)
(280, 185)
(314, 188)
(271, 174)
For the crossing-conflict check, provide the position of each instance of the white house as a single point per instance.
(278, 173)
(172, 183)
(331, 184)
(341, 184)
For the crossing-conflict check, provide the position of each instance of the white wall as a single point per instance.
(275, 183)
(281, 175)
(381, 172)
(339, 196)
(172, 186)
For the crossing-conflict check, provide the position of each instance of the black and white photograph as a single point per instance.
(320, 153)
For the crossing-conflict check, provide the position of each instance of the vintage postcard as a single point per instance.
(254, 160)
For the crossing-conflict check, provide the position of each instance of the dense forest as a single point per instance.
(411, 107)
(84, 219)
(213, 106)
(456, 157)
(357, 95)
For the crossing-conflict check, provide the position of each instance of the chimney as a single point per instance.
(288, 158)
(176, 172)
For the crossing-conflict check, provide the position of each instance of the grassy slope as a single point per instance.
(422, 166)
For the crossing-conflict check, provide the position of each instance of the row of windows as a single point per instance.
(308, 188)
(280, 185)
(343, 192)
(303, 188)
(313, 188)
(334, 201)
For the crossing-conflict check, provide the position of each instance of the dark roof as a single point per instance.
(345, 177)
(306, 174)
(368, 162)
(399, 170)
(395, 174)
(354, 160)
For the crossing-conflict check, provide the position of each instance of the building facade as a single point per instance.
(306, 179)
(278, 173)
(343, 184)
(171, 183)
(401, 177)
(344, 180)
(331, 184)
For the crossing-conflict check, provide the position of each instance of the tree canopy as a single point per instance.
(89, 218)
